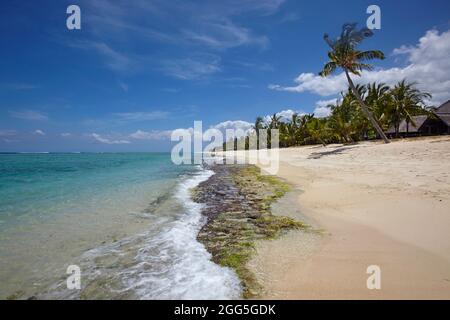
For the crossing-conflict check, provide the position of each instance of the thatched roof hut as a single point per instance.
(412, 127)
(435, 124)
(444, 109)
(443, 113)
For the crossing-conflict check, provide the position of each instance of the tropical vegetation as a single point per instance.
(347, 122)
(362, 112)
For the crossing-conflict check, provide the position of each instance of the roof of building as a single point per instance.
(418, 121)
(444, 108)
(444, 117)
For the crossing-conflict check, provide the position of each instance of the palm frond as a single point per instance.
(370, 55)
(328, 69)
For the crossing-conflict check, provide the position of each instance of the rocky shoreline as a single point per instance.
(237, 202)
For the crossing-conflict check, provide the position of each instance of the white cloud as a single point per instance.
(240, 125)
(28, 115)
(224, 35)
(39, 132)
(309, 82)
(66, 134)
(193, 68)
(239, 129)
(187, 25)
(108, 141)
(211, 24)
(285, 115)
(152, 135)
(428, 64)
(321, 109)
(121, 62)
(113, 59)
(325, 103)
(321, 112)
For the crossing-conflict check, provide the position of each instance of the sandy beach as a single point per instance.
(373, 204)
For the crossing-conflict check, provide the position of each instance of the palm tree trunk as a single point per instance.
(366, 109)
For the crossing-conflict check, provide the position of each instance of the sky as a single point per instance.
(139, 69)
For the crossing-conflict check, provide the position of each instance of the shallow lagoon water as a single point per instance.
(126, 219)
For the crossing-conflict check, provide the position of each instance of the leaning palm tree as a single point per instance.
(345, 55)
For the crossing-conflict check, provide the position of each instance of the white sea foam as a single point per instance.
(174, 265)
(164, 262)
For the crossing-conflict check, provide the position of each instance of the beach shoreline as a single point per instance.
(383, 205)
(237, 203)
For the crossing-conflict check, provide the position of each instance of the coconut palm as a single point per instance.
(407, 101)
(290, 132)
(317, 131)
(378, 99)
(294, 120)
(341, 121)
(259, 124)
(275, 121)
(344, 55)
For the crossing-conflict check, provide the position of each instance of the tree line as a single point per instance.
(362, 112)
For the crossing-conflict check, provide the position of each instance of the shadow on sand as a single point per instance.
(338, 150)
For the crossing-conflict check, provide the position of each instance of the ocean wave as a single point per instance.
(174, 265)
(164, 262)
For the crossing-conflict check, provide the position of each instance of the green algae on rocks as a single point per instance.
(237, 206)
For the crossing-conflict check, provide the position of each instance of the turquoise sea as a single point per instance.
(126, 219)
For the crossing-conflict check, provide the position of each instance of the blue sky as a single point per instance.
(138, 69)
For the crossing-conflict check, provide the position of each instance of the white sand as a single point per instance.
(385, 205)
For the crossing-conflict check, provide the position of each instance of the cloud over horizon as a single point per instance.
(151, 135)
(101, 139)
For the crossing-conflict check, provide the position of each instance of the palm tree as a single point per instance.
(378, 99)
(290, 132)
(407, 102)
(303, 127)
(317, 131)
(342, 120)
(275, 121)
(294, 120)
(345, 55)
(259, 123)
